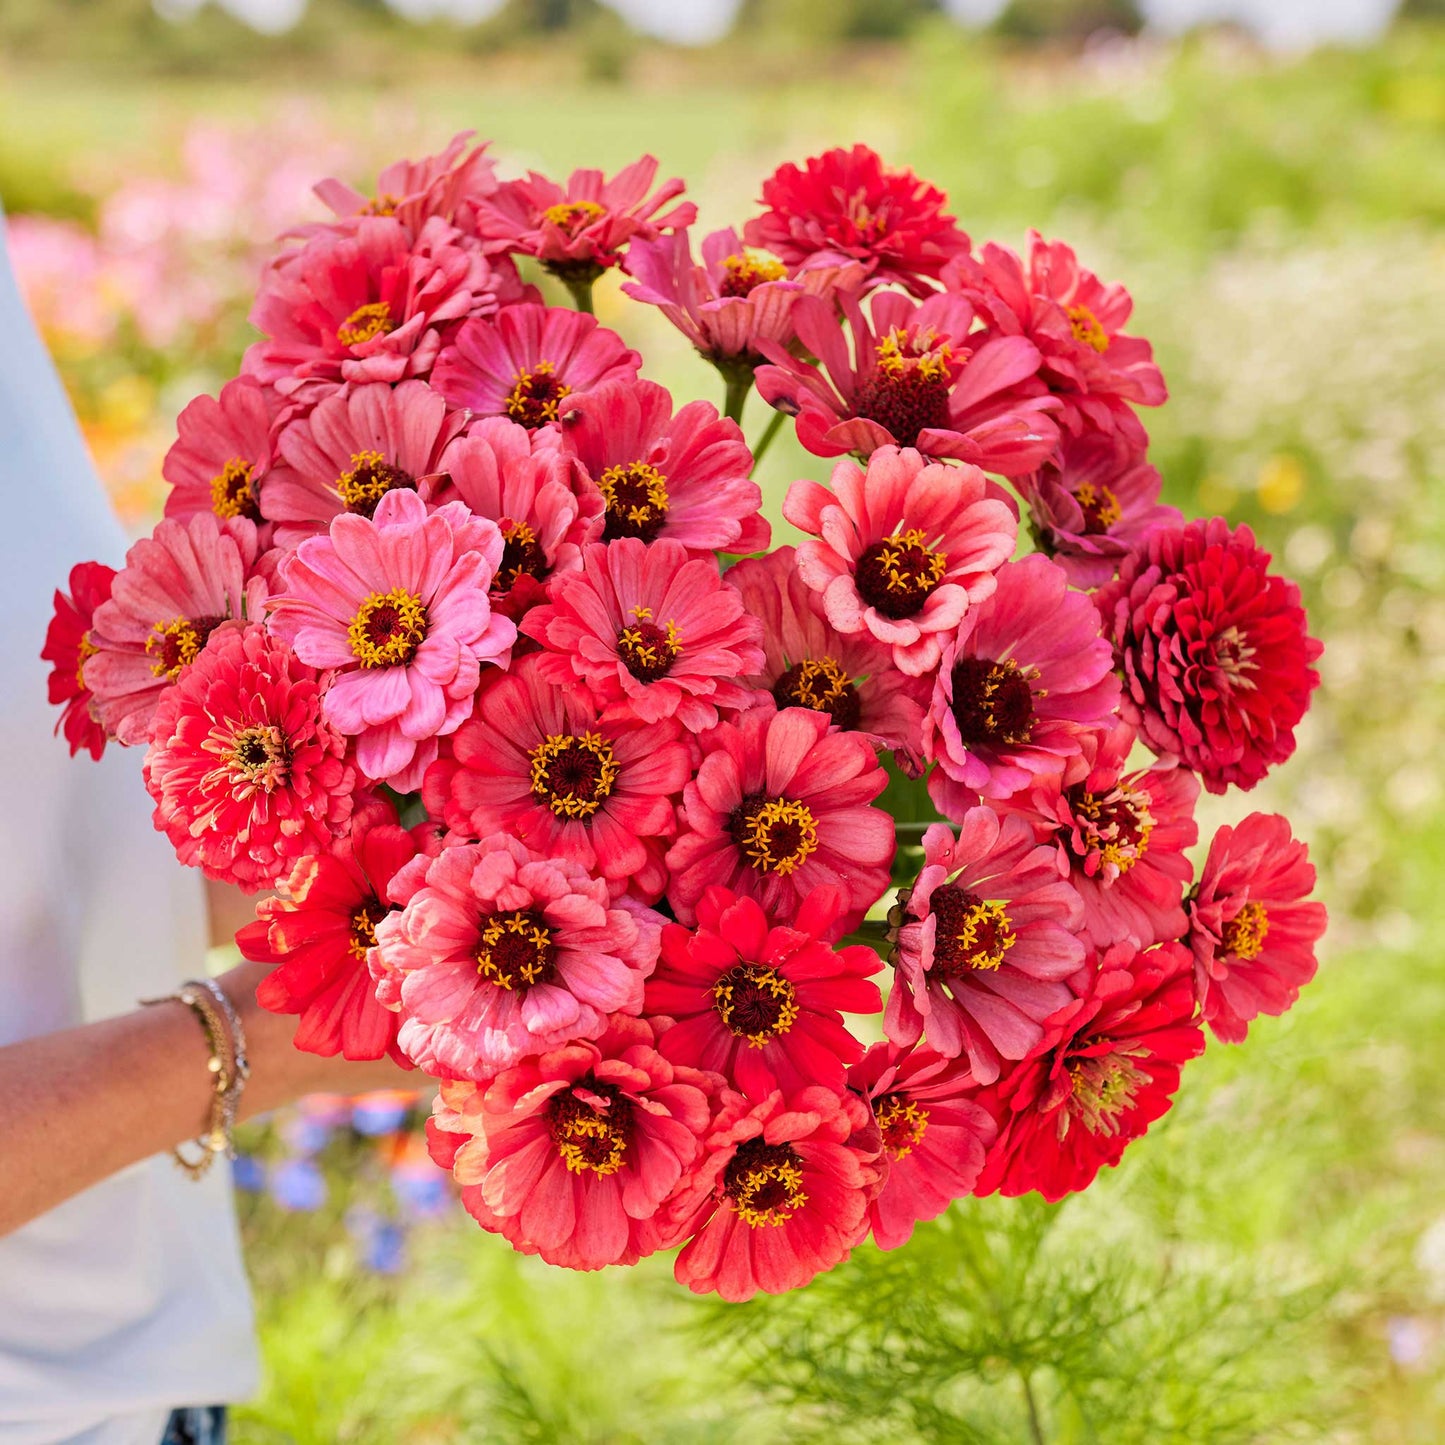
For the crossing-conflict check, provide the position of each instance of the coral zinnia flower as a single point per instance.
(397, 605)
(761, 1002)
(499, 952)
(177, 585)
(539, 762)
(1252, 932)
(916, 379)
(1107, 1069)
(779, 807)
(903, 549)
(318, 933)
(67, 645)
(569, 1155)
(934, 1135)
(351, 450)
(525, 362)
(1214, 652)
(984, 941)
(222, 452)
(781, 1193)
(1020, 683)
(246, 771)
(849, 676)
(1094, 501)
(1121, 836)
(685, 477)
(651, 631)
(848, 204)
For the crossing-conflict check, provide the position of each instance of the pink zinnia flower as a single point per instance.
(934, 1135)
(1251, 929)
(246, 771)
(351, 450)
(177, 586)
(1020, 683)
(397, 605)
(1107, 1069)
(222, 453)
(684, 477)
(983, 944)
(1094, 501)
(1213, 649)
(569, 1155)
(538, 761)
(779, 807)
(1121, 836)
(525, 362)
(651, 631)
(781, 1193)
(916, 378)
(761, 1001)
(903, 549)
(846, 204)
(808, 663)
(318, 933)
(500, 952)
(67, 645)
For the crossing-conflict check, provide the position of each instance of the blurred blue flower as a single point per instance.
(306, 1133)
(375, 1114)
(382, 1241)
(298, 1185)
(248, 1173)
(421, 1190)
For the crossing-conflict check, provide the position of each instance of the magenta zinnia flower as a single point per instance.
(984, 943)
(684, 477)
(761, 1001)
(934, 1135)
(902, 550)
(916, 378)
(538, 761)
(779, 807)
(525, 362)
(67, 645)
(500, 952)
(1213, 649)
(1019, 684)
(246, 771)
(1251, 929)
(222, 453)
(651, 631)
(396, 604)
(808, 663)
(568, 1155)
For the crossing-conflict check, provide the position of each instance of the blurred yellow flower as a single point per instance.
(1281, 483)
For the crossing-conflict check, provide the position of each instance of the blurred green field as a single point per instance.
(1269, 1265)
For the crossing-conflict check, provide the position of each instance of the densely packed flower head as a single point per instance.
(631, 829)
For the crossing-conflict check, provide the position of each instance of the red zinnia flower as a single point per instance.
(67, 645)
(762, 1002)
(221, 454)
(1214, 652)
(246, 771)
(1108, 1067)
(846, 204)
(933, 1133)
(1251, 929)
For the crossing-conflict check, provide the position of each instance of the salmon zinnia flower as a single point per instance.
(222, 453)
(67, 645)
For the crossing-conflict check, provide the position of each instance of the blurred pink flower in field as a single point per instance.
(61, 271)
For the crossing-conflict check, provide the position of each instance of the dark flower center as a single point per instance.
(774, 834)
(516, 950)
(756, 1002)
(637, 501)
(536, 395)
(1100, 507)
(369, 479)
(369, 912)
(1113, 827)
(388, 629)
(231, 492)
(647, 650)
(573, 775)
(992, 702)
(907, 391)
(261, 757)
(765, 1183)
(522, 555)
(901, 1122)
(176, 644)
(592, 1133)
(897, 575)
(972, 934)
(822, 685)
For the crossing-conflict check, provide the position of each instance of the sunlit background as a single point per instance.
(1268, 176)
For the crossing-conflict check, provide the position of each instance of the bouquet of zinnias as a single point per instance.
(465, 641)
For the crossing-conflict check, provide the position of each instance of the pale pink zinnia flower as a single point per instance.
(1251, 928)
(902, 550)
(524, 363)
(177, 586)
(984, 943)
(397, 605)
(686, 477)
(779, 807)
(808, 663)
(499, 952)
(221, 454)
(1019, 684)
(650, 630)
(568, 1155)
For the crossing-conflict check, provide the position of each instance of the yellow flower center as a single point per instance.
(515, 950)
(648, 651)
(901, 1122)
(1116, 825)
(636, 498)
(387, 629)
(365, 324)
(536, 395)
(363, 927)
(574, 775)
(776, 835)
(260, 757)
(591, 1139)
(1086, 328)
(1244, 934)
(573, 216)
(744, 272)
(86, 650)
(1103, 1088)
(1099, 505)
(231, 494)
(896, 575)
(972, 933)
(369, 478)
(765, 1183)
(173, 645)
(755, 1002)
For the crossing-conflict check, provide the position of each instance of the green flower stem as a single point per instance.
(766, 440)
(738, 387)
(581, 290)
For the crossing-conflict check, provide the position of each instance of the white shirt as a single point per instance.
(129, 1299)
